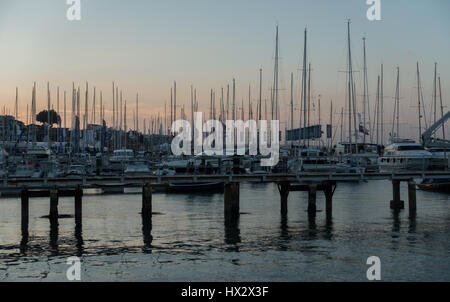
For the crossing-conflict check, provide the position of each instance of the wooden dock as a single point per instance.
(308, 182)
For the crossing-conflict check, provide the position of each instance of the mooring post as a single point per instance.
(147, 200)
(78, 204)
(284, 194)
(53, 203)
(231, 197)
(328, 191)
(25, 209)
(312, 192)
(396, 203)
(412, 198)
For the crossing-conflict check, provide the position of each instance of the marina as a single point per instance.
(219, 151)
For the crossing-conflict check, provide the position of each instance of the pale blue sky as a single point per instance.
(145, 45)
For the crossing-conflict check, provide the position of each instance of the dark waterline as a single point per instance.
(188, 239)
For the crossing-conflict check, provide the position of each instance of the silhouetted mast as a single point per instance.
(275, 78)
(382, 105)
(418, 100)
(304, 79)
(366, 103)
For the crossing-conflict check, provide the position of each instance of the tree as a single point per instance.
(43, 117)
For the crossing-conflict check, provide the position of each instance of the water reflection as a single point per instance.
(396, 222)
(284, 228)
(25, 236)
(232, 234)
(412, 224)
(329, 227)
(312, 227)
(147, 233)
(79, 237)
(54, 234)
(284, 233)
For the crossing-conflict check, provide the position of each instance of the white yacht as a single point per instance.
(405, 154)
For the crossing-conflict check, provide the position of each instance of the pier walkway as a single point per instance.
(309, 182)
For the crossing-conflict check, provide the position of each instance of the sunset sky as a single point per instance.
(145, 45)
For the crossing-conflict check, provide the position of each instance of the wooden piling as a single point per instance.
(412, 198)
(312, 193)
(396, 203)
(147, 200)
(231, 197)
(53, 203)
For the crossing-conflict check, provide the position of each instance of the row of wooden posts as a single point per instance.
(231, 199)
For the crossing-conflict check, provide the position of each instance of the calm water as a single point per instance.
(190, 242)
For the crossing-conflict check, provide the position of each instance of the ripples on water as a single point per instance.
(188, 239)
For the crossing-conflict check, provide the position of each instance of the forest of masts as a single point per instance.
(223, 106)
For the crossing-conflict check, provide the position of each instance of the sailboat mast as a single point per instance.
(93, 107)
(304, 81)
(222, 106)
(418, 100)
(442, 108)
(192, 116)
(292, 102)
(365, 92)
(331, 124)
(234, 100)
(342, 124)
(349, 86)
(228, 102)
(260, 94)
(377, 111)
(435, 91)
(136, 125)
(175, 101)
(65, 124)
(382, 105)
(276, 77)
(137, 112)
(397, 95)
(125, 123)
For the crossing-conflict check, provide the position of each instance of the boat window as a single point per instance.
(409, 148)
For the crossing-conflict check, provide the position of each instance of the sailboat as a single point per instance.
(358, 156)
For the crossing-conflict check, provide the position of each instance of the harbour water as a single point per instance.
(190, 242)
